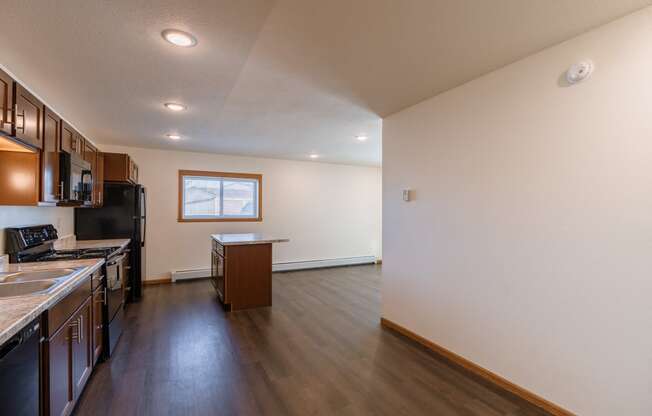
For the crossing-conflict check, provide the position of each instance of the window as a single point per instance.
(219, 196)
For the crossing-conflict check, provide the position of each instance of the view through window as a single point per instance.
(219, 196)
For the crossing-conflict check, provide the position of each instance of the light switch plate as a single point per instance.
(406, 195)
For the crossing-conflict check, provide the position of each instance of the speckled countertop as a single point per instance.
(72, 244)
(16, 312)
(247, 238)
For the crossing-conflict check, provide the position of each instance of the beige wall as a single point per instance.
(328, 211)
(528, 249)
(62, 218)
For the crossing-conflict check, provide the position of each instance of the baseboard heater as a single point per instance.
(282, 267)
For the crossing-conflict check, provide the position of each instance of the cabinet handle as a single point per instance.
(75, 330)
(20, 127)
(81, 329)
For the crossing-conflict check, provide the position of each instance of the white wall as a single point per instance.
(328, 211)
(61, 218)
(528, 249)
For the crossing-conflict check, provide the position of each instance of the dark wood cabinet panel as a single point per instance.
(97, 327)
(51, 185)
(242, 276)
(67, 137)
(6, 103)
(78, 144)
(82, 349)
(28, 117)
(119, 167)
(60, 399)
(19, 178)
(98, 181)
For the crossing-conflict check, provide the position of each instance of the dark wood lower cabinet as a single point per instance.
(68, 361)
(82, 349)
(97, 326)
(242, 275)
(59, 401)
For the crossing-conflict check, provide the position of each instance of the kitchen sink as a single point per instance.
(36, 287)
(29, 276)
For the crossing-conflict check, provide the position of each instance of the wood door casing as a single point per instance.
(51, 186)
(6, 103)
(28, 117)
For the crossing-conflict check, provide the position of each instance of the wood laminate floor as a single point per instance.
(318, 351)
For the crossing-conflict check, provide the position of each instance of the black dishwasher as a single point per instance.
(19, 372)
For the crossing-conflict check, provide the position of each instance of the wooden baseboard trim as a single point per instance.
(481, 372)
(162, 281)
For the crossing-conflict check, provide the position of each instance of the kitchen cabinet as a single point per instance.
(28, 117)
(119, 167)
(82, 349)
(71, 141)
(98, 181)
(6, 103)
(60, 373)
(19, 178)
(67, 350)
(242, 275)
(90, 155)
(51, 184)
(98, 325)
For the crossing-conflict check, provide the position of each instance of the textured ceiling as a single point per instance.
(270, 78)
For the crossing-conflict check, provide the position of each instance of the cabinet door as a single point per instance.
(98, 181)
(67, 137)
(98, 329)
(78, 144)
(82, 349)
(220, 280)
(29, 117)
(6, 103)
(51, 185)
(59, 359)
(90, 155)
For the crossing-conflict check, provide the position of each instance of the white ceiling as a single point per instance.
(270, 78)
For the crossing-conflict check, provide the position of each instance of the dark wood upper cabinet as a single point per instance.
(67, 137)
(98, 181)
(6, 103)
(119, 167)
(51, 185)
(28, 117)
(78, 144)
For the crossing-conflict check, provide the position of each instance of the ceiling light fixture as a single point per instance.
(313, 156)
(362, 137)
(175, 106)
(174, 136)
(179, 38)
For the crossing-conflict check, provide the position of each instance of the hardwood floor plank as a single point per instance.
(318, 351)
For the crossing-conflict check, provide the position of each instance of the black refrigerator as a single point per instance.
(123, 215)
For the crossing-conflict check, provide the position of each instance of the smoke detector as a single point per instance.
(579, 72)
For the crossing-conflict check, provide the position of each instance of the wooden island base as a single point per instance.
(241, 270)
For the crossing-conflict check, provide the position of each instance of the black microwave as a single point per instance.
(76, 180)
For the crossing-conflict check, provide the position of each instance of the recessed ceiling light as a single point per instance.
(179, 38)
(362, 137)
(175, 106)
(313, 156)
(173, 136)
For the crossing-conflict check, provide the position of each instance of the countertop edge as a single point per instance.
(50, 300)
(243, 243)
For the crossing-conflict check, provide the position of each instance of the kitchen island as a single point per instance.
(241, 269)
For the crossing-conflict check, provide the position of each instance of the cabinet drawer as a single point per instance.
(59, 313)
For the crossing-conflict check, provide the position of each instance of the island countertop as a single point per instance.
(18, 311)
(247, 238)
